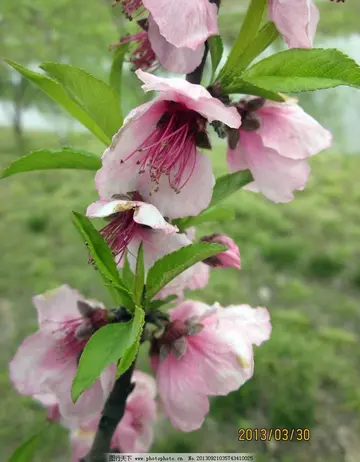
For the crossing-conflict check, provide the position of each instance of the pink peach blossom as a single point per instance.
(155, 152)
(229, 258)
(45, 364)
(296, 20)
(177, 31)
(205, 351)
(135, 430)
(274, 143)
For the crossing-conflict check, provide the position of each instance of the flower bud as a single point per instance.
(229, 258)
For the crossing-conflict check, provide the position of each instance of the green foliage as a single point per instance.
(135, 337)
(104, 260)
(219, 214)
(167, 268)
(48, 159)
(229, 184)
(324, 265)
(247, 34)
(97, 99)
(298, 70)
(116, 70)
(106, 346)
(26, 451)
(216, 48)
(266, 36)
(139, 279)
(55, 91)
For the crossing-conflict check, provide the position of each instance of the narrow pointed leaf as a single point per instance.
(93, 95)
(136, 332)
(219, 214)
(48, 159)
(216, 48)
(103, 259)
(56, 92)
(116, 70)
(175, 263)
(139, 280)
(298, 70)
(155, 304)
(229, 184)
(247, 34)
(26, 451)
(240, 86)
(266, 36)
(105, 346)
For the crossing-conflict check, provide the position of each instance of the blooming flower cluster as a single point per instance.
(154, 173)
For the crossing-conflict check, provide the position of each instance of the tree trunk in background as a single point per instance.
(18, 103)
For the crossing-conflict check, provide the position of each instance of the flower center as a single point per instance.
(171, 148)
(119, 232)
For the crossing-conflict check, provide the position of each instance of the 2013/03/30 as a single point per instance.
(275, 434)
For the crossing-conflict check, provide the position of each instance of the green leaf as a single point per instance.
(246, 88)
(47, 159)
(136, 332)
(103, 259)
(116, 70)
(229, 184)
(139, 276)
(175, 263)
(267, 35)
(127, 274)
(106, 346)
(56, 92)
(247, 34)
(211, 214)
(298, 70)
(155, 304)
(97, 99)
(216, 48)
(26, 451)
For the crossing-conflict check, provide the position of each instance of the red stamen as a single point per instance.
(171, 147)
(130, 6)
(119, 232)
(142, 55)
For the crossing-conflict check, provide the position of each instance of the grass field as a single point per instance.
(301, 260)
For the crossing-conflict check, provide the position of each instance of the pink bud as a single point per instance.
(229, 258)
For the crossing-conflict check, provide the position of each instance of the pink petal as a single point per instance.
(200, 278)
(276, 177)
(145, 384)
(184, 24)
(296, 20)
(147, 214)
(289, 130)
(188, 309)
(191, 200)
(120, 178)
(156, 245)
(254, 322)
(194, 97)
(29, 369)
(217, 360)
(179, 60)
(56, 306)
(236, 159)
(180, 390)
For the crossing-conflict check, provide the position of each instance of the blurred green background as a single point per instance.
(301, 260)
